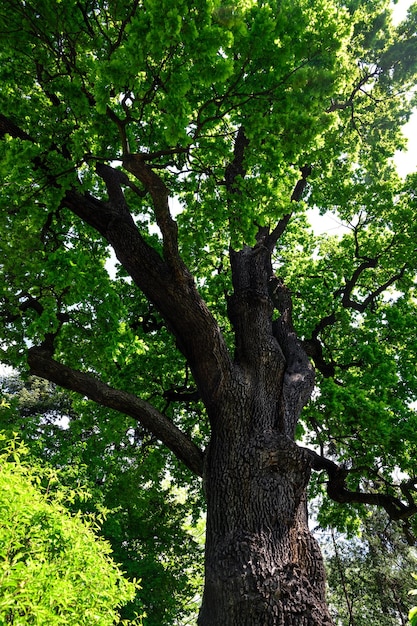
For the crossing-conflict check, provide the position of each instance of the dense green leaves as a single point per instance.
(316, 93)
(54, 569)
(151, 524)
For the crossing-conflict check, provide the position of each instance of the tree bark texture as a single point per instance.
(263, 567)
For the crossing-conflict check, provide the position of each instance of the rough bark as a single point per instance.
(263, 567)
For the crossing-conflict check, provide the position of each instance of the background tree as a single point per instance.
(369, 575)
(245, 114)
(53, 568)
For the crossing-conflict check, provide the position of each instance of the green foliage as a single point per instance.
(368, 577)
(151, 524)
(54, 569)
(412, 616)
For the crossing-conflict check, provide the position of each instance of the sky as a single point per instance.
(406, 161)
(399, 10)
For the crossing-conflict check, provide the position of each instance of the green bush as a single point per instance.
(53, 568)
(412, 616)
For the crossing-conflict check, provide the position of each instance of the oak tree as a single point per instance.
(189, 141)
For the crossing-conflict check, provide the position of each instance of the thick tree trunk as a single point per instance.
(263, 567)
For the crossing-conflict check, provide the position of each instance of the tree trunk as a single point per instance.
(263, 567)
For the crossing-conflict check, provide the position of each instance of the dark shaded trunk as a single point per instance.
(263, 567)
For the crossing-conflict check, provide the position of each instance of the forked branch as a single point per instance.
(338, 491)
(296, 196)
(155, 186)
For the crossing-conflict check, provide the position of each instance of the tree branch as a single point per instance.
(166, 282)
(121, 127)
(115, 180)
(8, 127)
(346, 291)
(236, 167)
(173, 293)
(299, 373)
(136, 164)
(42, 365)
(314, 347)
(341, 106)
(337, 491)
(271, 240)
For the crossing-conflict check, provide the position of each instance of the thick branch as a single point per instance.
(121, 127)
(299, 373)
(44, 366)
(347, 302)
(301, 184)
(314, 347)
(236, 167)
(250, 311)
(296, 196)
(173, 293)
(166, 282)
(115, 180)
(155, 186)
(114, 222)
(374, 294)
(337, 491)
(7, 127)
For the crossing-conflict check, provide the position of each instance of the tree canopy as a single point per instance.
(159, 162)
